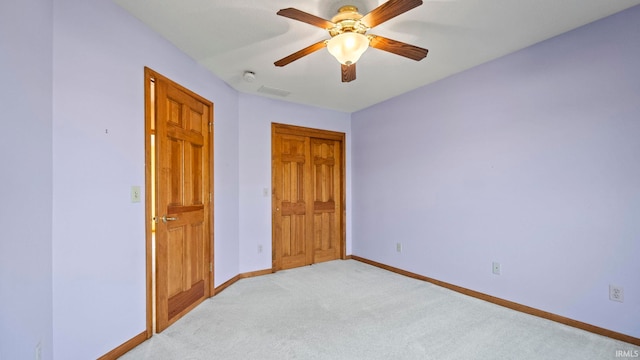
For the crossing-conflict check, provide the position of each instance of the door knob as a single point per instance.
(165, 219)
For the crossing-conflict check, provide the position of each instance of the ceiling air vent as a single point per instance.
(273, 91)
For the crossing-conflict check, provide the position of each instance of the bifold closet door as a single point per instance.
(307, 197)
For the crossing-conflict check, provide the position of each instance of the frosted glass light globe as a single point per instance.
(348, 47)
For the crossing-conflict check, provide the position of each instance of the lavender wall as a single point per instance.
(25, 179)
(99, 55)
(531, 160)
(256, 116)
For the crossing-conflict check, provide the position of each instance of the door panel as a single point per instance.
(326, 202)
(307, 196)
(292, 222)
(183, 177)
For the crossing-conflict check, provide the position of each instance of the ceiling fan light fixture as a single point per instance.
(348, 47)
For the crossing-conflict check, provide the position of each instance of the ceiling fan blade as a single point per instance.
(300, 15)
(388, 10)
(298, 54)
(348, 72)
(398, 48)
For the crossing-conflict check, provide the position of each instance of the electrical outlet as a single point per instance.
(496, 268)
(616, 293)
(259, 248)
(399, 247)
(38, 351)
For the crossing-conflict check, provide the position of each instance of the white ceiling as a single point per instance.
(230, 37)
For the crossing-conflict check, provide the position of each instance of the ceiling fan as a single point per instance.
(348, 34)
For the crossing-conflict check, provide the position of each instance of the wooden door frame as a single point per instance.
(277, 128)
(149, 76)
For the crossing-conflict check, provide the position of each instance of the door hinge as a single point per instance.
(210, 267)
(210, 197)
(210, 126)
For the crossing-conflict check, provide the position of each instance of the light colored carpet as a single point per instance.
(351, 310)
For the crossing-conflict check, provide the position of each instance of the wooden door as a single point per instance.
(293, 221)
(325, 158)
(183, 199)
(308, 197)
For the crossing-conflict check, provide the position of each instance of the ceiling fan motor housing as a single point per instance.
(347, 20)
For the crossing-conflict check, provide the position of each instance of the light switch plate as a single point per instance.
(135, 194)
